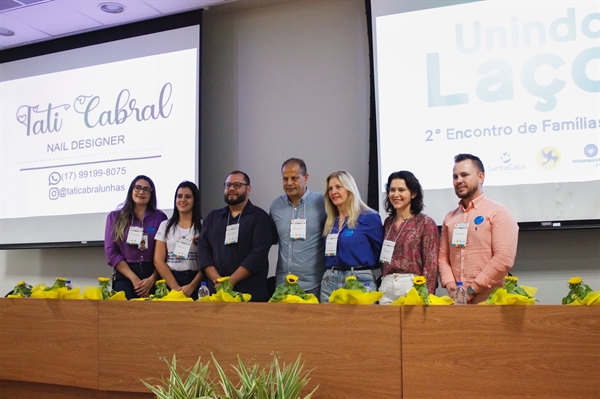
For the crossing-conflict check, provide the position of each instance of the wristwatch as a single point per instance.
(470, 291)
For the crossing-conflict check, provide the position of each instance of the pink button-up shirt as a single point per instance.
(490, 249)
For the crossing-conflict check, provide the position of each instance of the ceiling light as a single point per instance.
(6, 32)
(112, 8)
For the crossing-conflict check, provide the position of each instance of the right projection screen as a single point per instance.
(516, 83)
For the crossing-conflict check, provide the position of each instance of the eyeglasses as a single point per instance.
(234, 185)
(146, 190)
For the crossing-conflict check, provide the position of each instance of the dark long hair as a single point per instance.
(126, 208)
(413, 185)
(196, 215)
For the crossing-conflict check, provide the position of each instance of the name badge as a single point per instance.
(182, 248)
(298, 229)
(459, 236)
(134, 237)
(386, 252)
(331, 245)
(143, 245)
(231, 234)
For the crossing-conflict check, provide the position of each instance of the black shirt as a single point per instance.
(251, 250)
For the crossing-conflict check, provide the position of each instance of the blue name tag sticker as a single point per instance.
(478, 220)
(349, 232)
(152, 229)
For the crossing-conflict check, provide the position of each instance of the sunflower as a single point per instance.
(350, 278)
(575, 280)
(291, 278)
(21, 283)
(222, 279)
(103, 279)
(511, 278)
(419, 280)
(160, 282)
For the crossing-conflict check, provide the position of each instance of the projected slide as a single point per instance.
(516, 83)
(72, 141)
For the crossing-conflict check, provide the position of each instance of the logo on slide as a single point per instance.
(53, 193)
(590, 150)
(505, 157)
(54, 178)
(548, 158)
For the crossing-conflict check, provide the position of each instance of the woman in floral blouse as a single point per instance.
(411, 240)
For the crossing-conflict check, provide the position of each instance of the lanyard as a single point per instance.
(141, 221)
(401, 228)
(291, 242)
(186, 234)
(332, 240)
(295, 208)
(337, 224)
(238, 216)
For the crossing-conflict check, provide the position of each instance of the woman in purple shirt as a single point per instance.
(129, 239)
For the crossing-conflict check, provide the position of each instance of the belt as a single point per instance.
(350, 268)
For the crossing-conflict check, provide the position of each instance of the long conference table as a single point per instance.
(101, 349)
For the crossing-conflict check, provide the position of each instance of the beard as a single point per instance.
(468, 194)
(234, 201)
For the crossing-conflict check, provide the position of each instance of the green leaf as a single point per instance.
(520, 291)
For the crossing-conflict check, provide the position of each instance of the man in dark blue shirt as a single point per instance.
(235, 241)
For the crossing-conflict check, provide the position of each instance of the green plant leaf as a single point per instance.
(192, 383)
(273, 382)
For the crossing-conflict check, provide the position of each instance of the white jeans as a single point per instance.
(394, 286)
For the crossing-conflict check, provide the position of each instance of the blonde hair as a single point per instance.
(354, 205)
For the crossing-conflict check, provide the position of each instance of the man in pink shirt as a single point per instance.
(479, 238)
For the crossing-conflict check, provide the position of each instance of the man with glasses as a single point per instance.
(235, 241)
(299, 217)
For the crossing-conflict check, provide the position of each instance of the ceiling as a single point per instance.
(38, 20)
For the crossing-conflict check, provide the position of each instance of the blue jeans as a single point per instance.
(338, 280)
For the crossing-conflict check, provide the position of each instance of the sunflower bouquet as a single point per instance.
(419, 295)
(58, 290)
(103, 292)
(162, 293)
(581, 294)
(290, 292)
(161, 289)
(354, 293)
(225, 293)
(421, 288)
(511, 293)
(60, 282)
(21, 290)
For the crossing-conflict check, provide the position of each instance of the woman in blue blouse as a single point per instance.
(353, 235)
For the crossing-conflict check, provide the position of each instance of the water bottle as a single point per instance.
(460, 295)
(68, 285)
(367, 286)
(203, 290)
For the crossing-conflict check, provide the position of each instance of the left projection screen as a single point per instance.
(77, 126)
